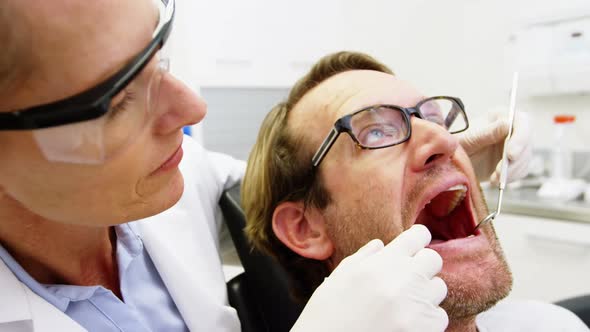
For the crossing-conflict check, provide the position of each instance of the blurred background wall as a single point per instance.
(466, 48)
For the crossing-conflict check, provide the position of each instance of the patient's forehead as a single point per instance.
(345, 93)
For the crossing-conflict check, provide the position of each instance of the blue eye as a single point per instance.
(374, 136)
(379, 126)
(379, 134)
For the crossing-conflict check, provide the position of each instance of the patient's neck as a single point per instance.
(462, 325)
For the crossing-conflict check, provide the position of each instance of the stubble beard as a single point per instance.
(468, 295)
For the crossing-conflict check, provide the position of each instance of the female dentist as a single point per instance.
(108, 215)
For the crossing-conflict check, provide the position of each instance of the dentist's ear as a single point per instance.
(302, 230)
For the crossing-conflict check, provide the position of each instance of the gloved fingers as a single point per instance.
(440, 321)
(484, 165)
(365, 251)
(495, 178)
(427, 263)
(409, 242)
(429, 320)
(437, 290)
(475, 141)
(516, 148)
(517, 168)
(520, 138)
(432, 319)
(520, 167)
(521, 131)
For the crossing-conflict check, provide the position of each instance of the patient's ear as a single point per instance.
(302, 230)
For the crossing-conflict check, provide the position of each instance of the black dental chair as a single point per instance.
(579, 305)
(260, 295)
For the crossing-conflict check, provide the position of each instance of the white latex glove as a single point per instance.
(484, 146)
(381, 288)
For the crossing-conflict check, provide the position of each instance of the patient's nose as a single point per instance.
(430, 144)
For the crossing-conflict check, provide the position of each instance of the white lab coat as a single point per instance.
(183, 243)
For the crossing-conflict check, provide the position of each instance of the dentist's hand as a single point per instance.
(381, 288)
(484, 146)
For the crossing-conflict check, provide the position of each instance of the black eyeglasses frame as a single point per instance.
(344, 125)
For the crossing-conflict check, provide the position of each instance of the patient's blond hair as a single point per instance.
(279, 170)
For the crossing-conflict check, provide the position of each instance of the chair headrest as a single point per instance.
(264, 276)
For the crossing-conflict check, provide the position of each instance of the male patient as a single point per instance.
(355, 154)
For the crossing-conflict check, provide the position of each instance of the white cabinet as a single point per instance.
(263, 43)
(272, 43)
(554, 55)
(550, 259)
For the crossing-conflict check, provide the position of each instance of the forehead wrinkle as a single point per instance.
(331, 94)
(382, 88)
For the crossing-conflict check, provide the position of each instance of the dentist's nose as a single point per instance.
(431, 144)
(179, 106)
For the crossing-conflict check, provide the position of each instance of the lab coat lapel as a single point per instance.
(23, 310)
(14, 298)
(188, 262)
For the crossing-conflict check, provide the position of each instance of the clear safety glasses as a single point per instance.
(382, 126)
(93, 126)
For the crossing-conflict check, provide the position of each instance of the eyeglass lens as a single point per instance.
(96, 140)
(383, 126)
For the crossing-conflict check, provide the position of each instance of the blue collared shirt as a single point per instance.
(148, 306)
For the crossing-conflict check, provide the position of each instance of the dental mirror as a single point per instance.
(504, 167)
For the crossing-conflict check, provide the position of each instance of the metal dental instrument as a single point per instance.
(504, 167)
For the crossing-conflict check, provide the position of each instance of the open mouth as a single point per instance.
(448, 216)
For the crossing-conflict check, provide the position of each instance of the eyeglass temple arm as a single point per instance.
(325, 147)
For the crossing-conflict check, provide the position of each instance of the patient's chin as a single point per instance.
(475, 290)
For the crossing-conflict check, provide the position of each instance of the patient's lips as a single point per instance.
(449, 216)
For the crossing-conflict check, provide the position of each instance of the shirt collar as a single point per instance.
(24, 277)
(129, 246)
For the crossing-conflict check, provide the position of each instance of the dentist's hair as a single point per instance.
(279, 170)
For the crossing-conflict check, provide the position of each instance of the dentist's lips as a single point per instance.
(172, 162)
(447, 212)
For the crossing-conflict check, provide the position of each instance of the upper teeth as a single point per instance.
(448, 200)
(460, 191)
(461, 187)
